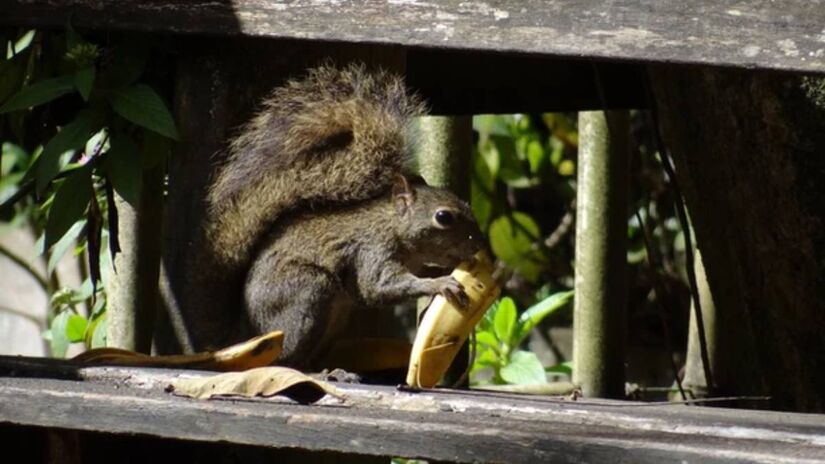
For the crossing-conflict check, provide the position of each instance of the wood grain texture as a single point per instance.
(437, 425)
(786, 35)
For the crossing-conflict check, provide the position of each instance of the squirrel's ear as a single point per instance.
(403, 194)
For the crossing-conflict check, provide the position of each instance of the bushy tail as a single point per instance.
(336, 137)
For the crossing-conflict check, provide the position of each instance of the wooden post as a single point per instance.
(444, 153)
(133, 294)
(601, 247)
(445, 149)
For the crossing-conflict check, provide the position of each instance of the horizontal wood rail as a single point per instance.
(378, 420)
(782, 35)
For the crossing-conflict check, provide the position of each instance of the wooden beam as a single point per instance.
(436, 425)
(783, 35)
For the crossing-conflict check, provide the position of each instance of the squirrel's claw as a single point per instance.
(453, 291)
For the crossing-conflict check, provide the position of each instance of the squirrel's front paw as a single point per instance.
(453, 291)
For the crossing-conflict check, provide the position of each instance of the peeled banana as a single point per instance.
(445, 327)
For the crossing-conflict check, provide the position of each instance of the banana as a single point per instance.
(445, 327)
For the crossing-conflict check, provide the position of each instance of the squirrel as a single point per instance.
(315, 213)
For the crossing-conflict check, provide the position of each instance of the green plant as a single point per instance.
(502, 331)
(78, 125)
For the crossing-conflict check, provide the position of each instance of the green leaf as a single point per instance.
(524, 368)
(491, 124)
(76, 328)
(141, 105)
(70, 203)
(123, 168)
(21, 44)
(96, 333)
(84, 292)
(84, 80)
(490, 155)
(561, 368)
(59, 342)
(536, 313)
(505, 320)
(482, 186)
(486, 358)
(97, 144)
(488, 339)
(511, 170)
(512, 238)
(536, 156)
(63, 245)
(71, 137)
(38, 93)
(13, 156)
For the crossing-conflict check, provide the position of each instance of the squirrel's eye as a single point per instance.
(444, 218)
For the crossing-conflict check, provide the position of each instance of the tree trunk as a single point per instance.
(749, 149)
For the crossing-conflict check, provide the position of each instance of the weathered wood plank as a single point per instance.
(786, 35)
(440, 425)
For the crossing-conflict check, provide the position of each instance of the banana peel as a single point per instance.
(256, 352)
(368, 354)
(445, 327)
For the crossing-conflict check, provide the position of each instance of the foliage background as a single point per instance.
(82, 118)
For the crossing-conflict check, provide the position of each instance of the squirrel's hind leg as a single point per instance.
(301, 302)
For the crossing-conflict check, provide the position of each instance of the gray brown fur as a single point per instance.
(310, 217)
(332, 265)
(336, 137)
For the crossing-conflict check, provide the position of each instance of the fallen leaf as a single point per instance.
(261, 381)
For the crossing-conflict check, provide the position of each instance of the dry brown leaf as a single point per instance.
(261, 381)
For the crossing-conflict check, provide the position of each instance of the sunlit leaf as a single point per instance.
(505, 320)
(512, 238)
(511, 170)
(536, 313)
(14, 49)
(488, 339)
(524, 368)
(96, 332)
(13, 156)
(71, 137)
(485, 358)
(561, 368)
(62, 246)
(536, 156)
(76, 328)
(59, 342)
(491, 124)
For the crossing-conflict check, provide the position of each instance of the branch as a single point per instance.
(23, 264)
(683, 221)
